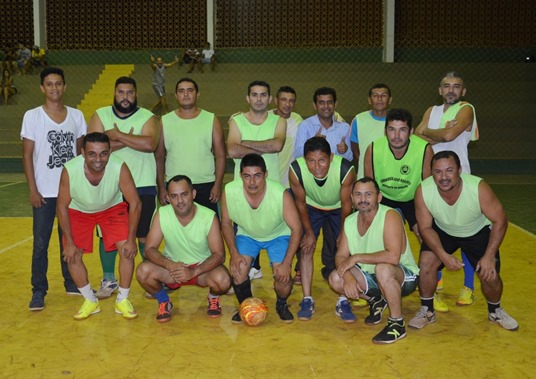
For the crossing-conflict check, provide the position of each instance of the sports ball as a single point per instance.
(253, 311)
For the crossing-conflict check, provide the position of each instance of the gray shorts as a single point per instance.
(159, 90)
(373, 289)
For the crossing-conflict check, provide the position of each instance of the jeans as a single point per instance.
(330, 222)
(43, 222)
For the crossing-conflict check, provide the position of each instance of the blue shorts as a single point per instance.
(373, 289)
(276, 248)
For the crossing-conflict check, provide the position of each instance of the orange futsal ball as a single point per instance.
(253, 311)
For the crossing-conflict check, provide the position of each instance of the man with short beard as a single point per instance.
(134, 135)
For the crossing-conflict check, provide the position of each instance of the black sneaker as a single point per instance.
(236, 319)
(394, 331)
(284, 313)
(38, 301)
(164, 311)
(376, 305)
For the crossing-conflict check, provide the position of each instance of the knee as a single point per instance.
(335, 281)
(384, 271)
(143, 272)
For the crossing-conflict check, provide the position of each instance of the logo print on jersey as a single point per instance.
(61, 146)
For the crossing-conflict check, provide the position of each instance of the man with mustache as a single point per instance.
(457, 210)
(266, 217)
(321, 183)
(451, 126)
(374, 258)
(399, 161)
(134, 135)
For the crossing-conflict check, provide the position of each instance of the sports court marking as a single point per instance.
(11, 184)
(16, 244)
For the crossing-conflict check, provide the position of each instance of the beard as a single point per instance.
(128, 109)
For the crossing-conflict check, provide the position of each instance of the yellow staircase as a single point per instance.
(102, 91)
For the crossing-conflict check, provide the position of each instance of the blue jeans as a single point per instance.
(330, 223)
(43, 222)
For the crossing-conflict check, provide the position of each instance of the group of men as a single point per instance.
(292, 178)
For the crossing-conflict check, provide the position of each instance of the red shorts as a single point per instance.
(113, 223)
(191, 282)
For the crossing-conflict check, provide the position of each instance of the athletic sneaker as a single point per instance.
(125, 308)
(343, 309)
(236, 319)
(88, 308)
(376, 305)
(284, 314)
(466, 296)
(107, 287)
(440, 305)
(255, 274)
(38, 301)
(394, 331)
(503, 319)
(297, 278)
(359, 302)
(214, 307)
(307, 308)
(164, 311)
(422, 318)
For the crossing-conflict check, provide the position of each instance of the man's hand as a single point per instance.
(163, 196)
(215, 193)
(342, 147)
(282, 273)
(36, 199)
(345, 265)
(181, 272)
(486, 268)
(236, 264)
(129, 249)
(452, 263)
(319, 133)
(114, 133)
(70, 251)
(351, 287)
(308, 243)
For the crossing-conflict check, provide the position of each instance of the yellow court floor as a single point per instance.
(51, 344)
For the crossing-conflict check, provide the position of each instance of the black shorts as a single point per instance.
(406, 207)
(473, 247)
(203, 195)
(148, 207)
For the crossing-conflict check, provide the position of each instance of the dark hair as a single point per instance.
(285, 89)
(95, 137)
(399, 114)
(325, 91)
(379, 85)
(316, 144)
(445, 155)
(178, 178)
(258, 83)
(367, 179)
(126, 80)
(253, 160)
(187, 80)
(52, 70)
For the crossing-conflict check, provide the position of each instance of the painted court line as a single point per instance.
(16, 244)
(10, 184)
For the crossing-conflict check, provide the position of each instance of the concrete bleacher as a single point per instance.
(495, 89)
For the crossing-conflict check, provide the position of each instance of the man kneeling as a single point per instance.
(374, 261)
(193, 252)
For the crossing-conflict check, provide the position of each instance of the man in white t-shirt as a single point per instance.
(51, 136)
(208, 57)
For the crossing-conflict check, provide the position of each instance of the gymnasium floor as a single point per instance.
(462, 344)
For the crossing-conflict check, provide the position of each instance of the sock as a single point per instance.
(243, 290)
(439, 275)
(107, 261)
(341, 299)
(396, 319)
(308, 297)
(492, 307)
(468, 272)
(161, 296)
(211, 296)
(141, 248)
(123, 294)
(280, 302)
(88, 293)
(428, 302)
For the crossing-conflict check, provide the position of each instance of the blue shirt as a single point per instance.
(336, 132)
(354, 137)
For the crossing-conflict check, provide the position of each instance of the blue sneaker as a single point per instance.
(38, 301)
(343, 309)
(307, 308)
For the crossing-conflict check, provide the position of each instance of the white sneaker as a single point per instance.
(255, 274)
(422, 318)
(107, 287)
(503, 319)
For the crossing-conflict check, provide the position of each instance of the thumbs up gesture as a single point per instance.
(342, 147)
(319, 132)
